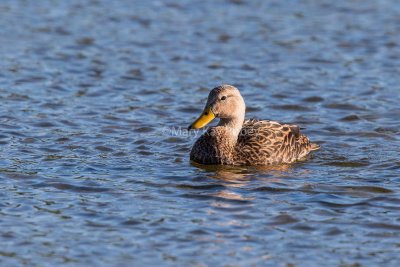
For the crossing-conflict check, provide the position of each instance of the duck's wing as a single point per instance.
(271, 142)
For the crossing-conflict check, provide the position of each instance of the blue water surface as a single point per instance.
(94, 159)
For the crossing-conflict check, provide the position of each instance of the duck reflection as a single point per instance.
(241, 176)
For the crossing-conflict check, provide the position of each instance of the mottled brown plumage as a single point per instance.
(235, 141)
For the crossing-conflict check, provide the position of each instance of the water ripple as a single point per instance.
(94, 171)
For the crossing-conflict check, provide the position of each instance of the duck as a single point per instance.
(239, 141)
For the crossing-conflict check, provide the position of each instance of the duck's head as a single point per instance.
(223, 102)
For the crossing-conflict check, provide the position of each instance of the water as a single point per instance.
(94, 170)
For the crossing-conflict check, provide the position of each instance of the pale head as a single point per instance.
(224, 102)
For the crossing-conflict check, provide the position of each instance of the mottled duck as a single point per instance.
(236, 141)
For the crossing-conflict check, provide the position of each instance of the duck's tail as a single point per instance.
(314, 146)
(306, 147)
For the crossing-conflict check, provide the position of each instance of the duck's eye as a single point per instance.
(223, 98)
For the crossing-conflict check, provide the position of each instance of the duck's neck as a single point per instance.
(232, 127)
(235, 124)
(227, 132)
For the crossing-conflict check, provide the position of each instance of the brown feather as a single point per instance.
(260, 142)
(236, 141)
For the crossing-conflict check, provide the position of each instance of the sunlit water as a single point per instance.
(94, 169)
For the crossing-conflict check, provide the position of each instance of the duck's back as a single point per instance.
(262, 142)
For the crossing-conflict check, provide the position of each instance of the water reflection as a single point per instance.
(86, 89)
(237, 176)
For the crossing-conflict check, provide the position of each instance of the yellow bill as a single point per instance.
(205, 118)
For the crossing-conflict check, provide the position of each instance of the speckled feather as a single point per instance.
(236, 141)
(260, 142)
